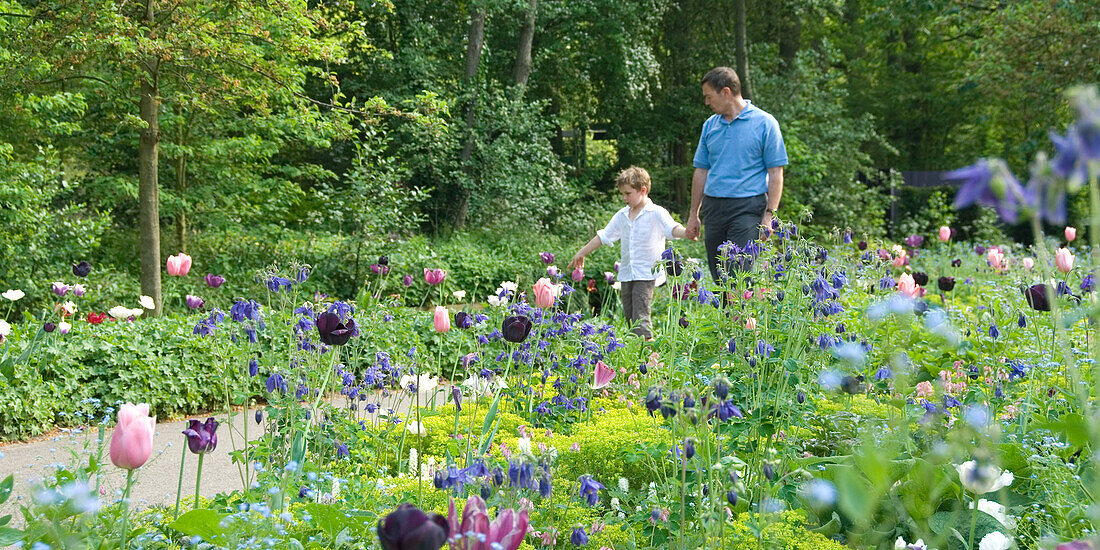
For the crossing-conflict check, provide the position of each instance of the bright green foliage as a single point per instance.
(788, 533)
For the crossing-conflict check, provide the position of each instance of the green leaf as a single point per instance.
(204, 523)
(492, 414)
(6, 487)
(329, 519)
(9, 536)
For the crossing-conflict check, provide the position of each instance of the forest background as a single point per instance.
(471, 135)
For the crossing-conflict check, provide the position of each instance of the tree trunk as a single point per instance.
(742, 53)
(473, 57)
(148, 198)
(790, 34)
(522, 70)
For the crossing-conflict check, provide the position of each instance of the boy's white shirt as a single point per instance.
(643, 241)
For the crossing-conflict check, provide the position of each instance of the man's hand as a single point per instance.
(766, 225)
(693, 227)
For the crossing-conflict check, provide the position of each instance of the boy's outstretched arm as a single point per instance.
(680, 232)
(578, 259)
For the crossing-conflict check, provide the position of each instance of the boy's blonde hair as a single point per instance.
(635, 177)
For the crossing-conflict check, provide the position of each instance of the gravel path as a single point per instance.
(157, 480)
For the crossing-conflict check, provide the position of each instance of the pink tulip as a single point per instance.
(900, 260)
(945, 233)
(1071, 234)
(132, 440)
(907, 286)
(1028, 263)
(747, 295)
(442, 321)
(544, 293)
(578, 275)
(506, 532)
(750, 323)
(1063, 259)
(434, 276)
(179, 266)
(996, 259)
(603, 375)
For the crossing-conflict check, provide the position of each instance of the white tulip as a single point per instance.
(13, 295)
(995, 541)
(983, 480)
(5, 328)
(147, 302)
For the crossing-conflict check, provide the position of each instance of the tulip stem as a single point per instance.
(973, 524)
(126, 509)
(198, 479)
(179, 483)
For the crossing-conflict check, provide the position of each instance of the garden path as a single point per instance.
(157, 480)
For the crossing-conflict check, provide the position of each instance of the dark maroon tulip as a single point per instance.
(1036, 296)
(82, 269)
(409, 528)
(516, 328)
(947, 284)
(956, 263)
(862, 245)
(202, 437)
(49, 327)
(332, 331)
(921, 278)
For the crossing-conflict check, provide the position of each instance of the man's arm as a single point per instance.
(698, 182)
(775, 192)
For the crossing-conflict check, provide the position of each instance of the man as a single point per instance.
(739, 164)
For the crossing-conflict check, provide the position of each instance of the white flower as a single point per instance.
(459, 294)
(121, 312)
(624, 485)
(414, 462)
(995, 541)
(64, 327)
(13, 295)
(5, 328)
(509, 286)
(424, 382)
(147, 302)
(69, 307)
(617, 286)
(523, 445)
(995, 509)
(496, 301)
(982, 480)
(416, 428)
(900, 544)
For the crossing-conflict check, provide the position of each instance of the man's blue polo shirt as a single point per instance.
(738, 153)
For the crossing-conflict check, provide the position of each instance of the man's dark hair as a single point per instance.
(723, 77)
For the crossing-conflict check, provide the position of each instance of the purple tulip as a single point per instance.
(60, 288)
(516, 328)
(202, 437)
(82, 269)
(409, 528)
(407, 280)
(213, 281)
(334, 332)
(547, 257)
(914, 241)
(194, 302)
(79, 290)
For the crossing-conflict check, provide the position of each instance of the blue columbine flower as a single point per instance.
(886, 282)
(578, 538)
(243, 310)
(883, 373)
(989, 183)
(764, 349)
(994, 332)
(590, 490)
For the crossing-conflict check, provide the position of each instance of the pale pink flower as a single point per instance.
(996, 258)
(180, 265)
(907, 286)
(945, 233)
(1028, 263)
(602, 375)
(1063, 259)
(925, 390)
(1071, 233)
(132, 440)
(750, 323)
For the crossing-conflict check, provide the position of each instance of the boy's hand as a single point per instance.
(578, 262)
(692, 227)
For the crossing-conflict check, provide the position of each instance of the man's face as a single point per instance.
(717, 100)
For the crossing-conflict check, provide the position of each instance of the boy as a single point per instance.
(643, 228)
